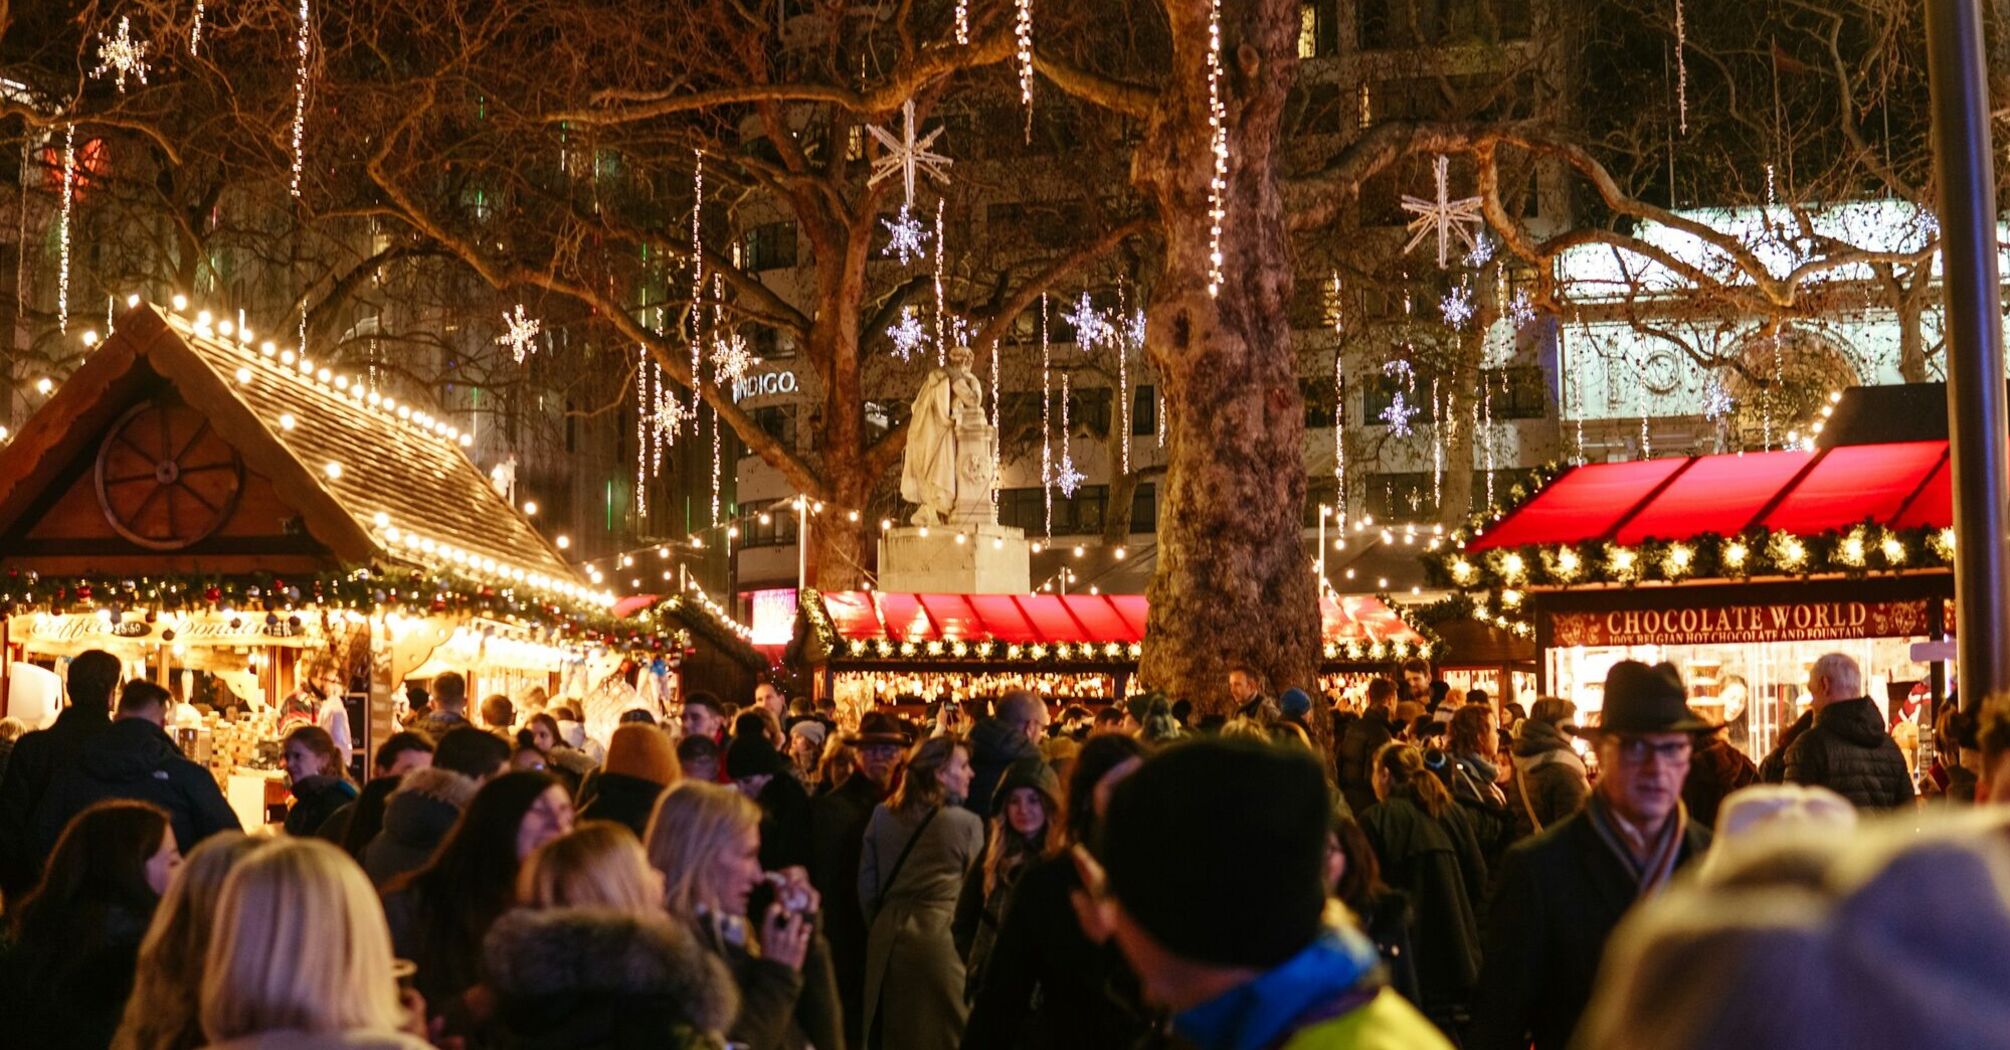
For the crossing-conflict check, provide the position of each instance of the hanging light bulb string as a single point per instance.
(697, 287)
(1217, 123)
(63, 234)
(1046, 408)
(1022, 32)
(997, 479)
(941, 334)
(300, 46)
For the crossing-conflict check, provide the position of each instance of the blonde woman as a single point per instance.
(161, 1015)
(919, 846)
(591, 959)
(706, 840)
(598, 864)
(300, 958)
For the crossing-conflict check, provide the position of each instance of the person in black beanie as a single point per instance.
(762, 774)
(1257, 963)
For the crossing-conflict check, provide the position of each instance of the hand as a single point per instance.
(785, 937)
(1093, 907)
(414, 1006)
(796, 882)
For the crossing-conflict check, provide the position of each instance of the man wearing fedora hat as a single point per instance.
(1561, 892)
(837, 839)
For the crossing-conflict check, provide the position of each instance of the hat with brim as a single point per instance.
(878, 727)
(1643, 699)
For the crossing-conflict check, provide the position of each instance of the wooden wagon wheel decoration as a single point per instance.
(166, 478)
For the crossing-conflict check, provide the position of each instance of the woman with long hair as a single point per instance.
(1024, 811)
(1046, 984)
(1354, 878)
(706, 841)
(1428, 850)
(319, 777)
(162, 1014)
(919, 845)
(300, 958)
(591, 959)
(1474, 775)
(440, 913)
(598, 864)
(77, 936)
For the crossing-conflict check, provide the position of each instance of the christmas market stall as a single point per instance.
(873, 648)
(1739, 569)
(213, 509)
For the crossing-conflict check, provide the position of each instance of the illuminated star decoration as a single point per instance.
(1445, 217)
(731, 358)
(906, 238)
(522, 335)
(1521, 309)
(1066, 477)
(670, 415)
(1482, 253)
(1716, 400)
(122, 56)
(1458, 307)
(1135, 329)
(906, 155)
(908, 334)
(1092, 328)
(1400, 412)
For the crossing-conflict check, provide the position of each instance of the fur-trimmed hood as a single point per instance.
(575, 967)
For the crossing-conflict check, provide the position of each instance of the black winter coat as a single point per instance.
(1046, 986)
(134, 759)
(37, 758)
(1549, 779)
(1848, 751)
(1387, 919)
(67, 989)
(1354, 757)
(785, 823)
(314, 801)
(994, 746)
(780, 1008)
(1437, 864)
(1773, 768)
(625, 800)
(837, 841)
(589, 979)
(1560, 895)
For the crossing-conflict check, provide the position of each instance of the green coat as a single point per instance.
(913, 975)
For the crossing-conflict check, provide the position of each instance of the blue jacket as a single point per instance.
(1324, 998)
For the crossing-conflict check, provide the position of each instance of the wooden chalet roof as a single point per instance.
(371, 482)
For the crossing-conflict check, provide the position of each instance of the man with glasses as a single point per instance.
(1562, 892)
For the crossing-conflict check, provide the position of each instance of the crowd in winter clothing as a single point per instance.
(1000, 875)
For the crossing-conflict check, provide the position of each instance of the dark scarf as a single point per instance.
(1662, 852)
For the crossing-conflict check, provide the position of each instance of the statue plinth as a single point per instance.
(990, 558)
(975, 469)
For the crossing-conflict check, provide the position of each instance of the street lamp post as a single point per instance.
(1977, 427)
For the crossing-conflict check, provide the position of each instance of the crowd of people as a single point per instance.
(998, 875)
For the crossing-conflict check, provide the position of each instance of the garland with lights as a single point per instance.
(283, 597)
(699, 620)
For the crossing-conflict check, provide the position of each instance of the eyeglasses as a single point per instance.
(1636, 749)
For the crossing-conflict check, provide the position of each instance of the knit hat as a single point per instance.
(1216, 848)
(1294, 703)
(642, 751)
(750, 755)
(1032, 773)
(812, 729)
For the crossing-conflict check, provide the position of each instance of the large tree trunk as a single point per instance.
(1233, 583)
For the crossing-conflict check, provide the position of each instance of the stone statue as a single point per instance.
(949, 466)
(503, 478)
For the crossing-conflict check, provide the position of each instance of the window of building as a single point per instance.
(1084, 514)
(1519, 392)
(1144, 411)
(1326, 109)
(778, 422)
(1318, 395)
(770, 246)
(1318, 29)
(777, 530)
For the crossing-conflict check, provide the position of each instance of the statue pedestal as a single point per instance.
(992, 559)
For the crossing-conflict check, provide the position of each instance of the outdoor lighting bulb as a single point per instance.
(341, 382)
(333, 469)
(626, 561)
(666, 574)
(1078, 552)
(635, 582)
(382, 519)
(530, 506)
(885, 524)
(1350, 574)
(563, 542)
(663, 552)
(1038, 546)
(286, 421)
(467, 440)
(286, 357)
(44, 385)
(224, 327)
(960, 538)
(997, 544)
(133, 299)
(766, 518)
(1835, 396)
(90, 337)
(324, 375)
(1121, 553)
(267, 348)
(179, 302)
(851, 515)
(697, 543)
(732, 532)
(924, 532)
(244, 375)
(1381, 581)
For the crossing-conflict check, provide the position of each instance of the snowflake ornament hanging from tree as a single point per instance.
(521, 338)
(1445, 217)
(1521, 309)
(1092, 326)
(908, 333)
(1458, 307)
(1398, 415)
(122, 56)
(670, 415)
(1067, 478)
(907, 155)
(1717, 402)
(906, 237)
(731, 358)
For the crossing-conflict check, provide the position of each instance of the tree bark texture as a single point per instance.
(1233, 583)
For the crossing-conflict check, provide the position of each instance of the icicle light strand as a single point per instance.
(300, 43)
(1217, 123)
(697, 287)
(962, 21)
(941, 326)
(642, 429)
(63, 233)
(195, 28)
(997, 475)
(1022, 32)
(1681, 69)
(1046, 410)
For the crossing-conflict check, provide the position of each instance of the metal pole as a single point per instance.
(802, 546)
(1962, 159)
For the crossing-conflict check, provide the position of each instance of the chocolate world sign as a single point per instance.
(1730, 624)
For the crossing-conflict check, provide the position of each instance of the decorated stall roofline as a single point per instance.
(270, 594)
(1861, 550)
(704, 619)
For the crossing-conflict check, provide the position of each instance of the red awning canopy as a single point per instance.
(1902, 485)
(1017, 619)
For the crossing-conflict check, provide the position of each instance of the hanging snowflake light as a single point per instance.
(1482, 253)
(1134, 330)
(906, 237)
(907, 155)
(908, 334)
(731, 358)
(1066, 477)
(1717, 402)
(671, 414)
(1398, 415)
(1092, 326)
(1521, 309)
(1458, 307)
(521, 337)
(122, 56)
(1443, 216)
